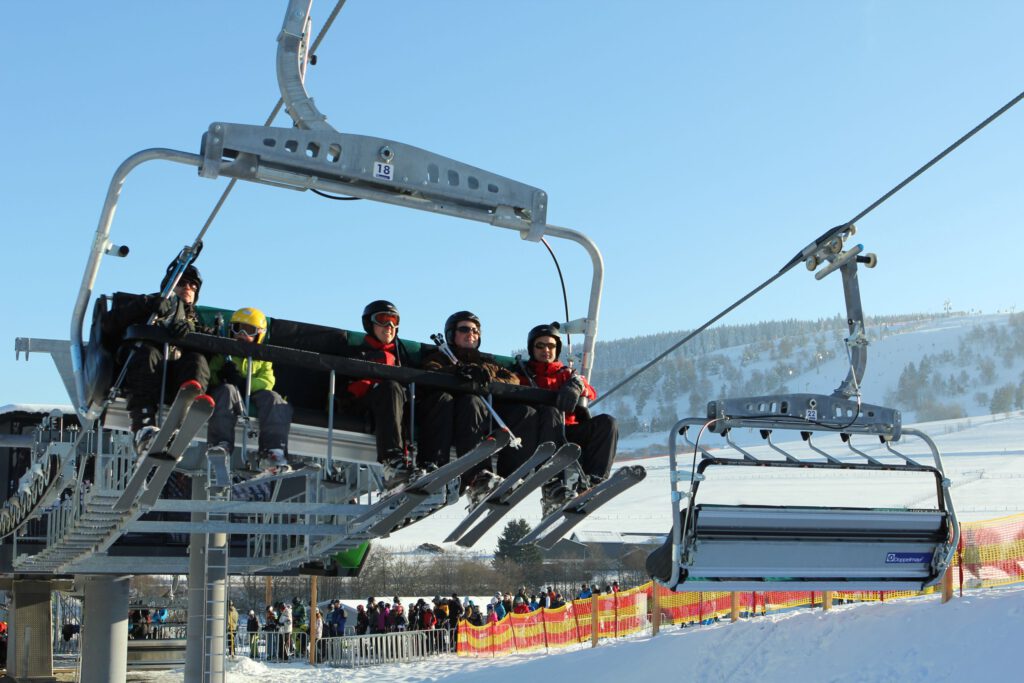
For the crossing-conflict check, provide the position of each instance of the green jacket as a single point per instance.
(262, 372)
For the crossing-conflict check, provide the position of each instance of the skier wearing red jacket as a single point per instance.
(382, 400)
(596, 435)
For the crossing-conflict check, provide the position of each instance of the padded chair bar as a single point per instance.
(347, 367)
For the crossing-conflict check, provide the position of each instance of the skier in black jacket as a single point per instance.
(145, 365)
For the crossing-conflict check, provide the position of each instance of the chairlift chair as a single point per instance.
(743, 547)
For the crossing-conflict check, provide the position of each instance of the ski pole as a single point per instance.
(514, 441)
(246, 424)
(525, 370)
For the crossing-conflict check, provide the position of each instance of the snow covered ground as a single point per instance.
(971, 638)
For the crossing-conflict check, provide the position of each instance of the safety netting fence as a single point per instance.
(991, 554)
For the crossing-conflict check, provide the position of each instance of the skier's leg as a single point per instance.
(142, 385)
(435, 414)
(387, 405)
(275, 416)
(598, 438)
(471, 425)
(220, 429)
(191, 365)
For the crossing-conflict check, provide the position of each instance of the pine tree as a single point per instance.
(523, 555)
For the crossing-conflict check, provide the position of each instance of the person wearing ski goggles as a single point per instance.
(383, 401)
(238, 381)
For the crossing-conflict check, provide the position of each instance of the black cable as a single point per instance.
(333, 196)
(803, 253)
(565, 298)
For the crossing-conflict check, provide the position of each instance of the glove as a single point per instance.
(477, 374)
(569, 394)
(160, 306)
(179, 328)
(229, 374)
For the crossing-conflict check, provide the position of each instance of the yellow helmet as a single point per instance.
(250, 322)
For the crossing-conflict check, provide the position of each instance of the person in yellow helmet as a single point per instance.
(231, 384)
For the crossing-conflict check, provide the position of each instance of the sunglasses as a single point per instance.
(245, 329)
(385, 319)
(191, 284)
(466, 329)
(543, 346)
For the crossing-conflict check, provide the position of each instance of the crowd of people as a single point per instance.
(446, 419)
(382, 616)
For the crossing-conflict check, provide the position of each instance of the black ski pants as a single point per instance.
(145, 373)
(463, 420)
(598, 438)
(385, 404)
(448, 419)
(274, 414)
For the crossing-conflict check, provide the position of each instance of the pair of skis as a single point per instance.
(556, 525)
(189, 411)
(390, 512)
(547, 462)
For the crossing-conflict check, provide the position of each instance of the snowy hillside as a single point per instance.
(929, 367)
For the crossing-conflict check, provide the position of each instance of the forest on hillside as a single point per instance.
(768, 357)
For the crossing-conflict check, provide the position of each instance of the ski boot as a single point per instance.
(482, 484)
(397, 471)
(273, 462)
(553, 495)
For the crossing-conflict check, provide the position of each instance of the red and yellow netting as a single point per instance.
(991, 553)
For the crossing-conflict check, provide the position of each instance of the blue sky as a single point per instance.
(701, 145)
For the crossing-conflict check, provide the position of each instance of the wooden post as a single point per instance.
(826, 601)
(734, 607)
(655, 609)
(311, 622)
(268, 592)
(595, 628)
(947, 585)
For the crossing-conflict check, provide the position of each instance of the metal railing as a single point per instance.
(384, 648)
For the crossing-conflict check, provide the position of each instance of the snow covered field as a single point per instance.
(971, 638)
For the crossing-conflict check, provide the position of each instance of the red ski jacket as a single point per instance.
(552, 376)
(378, 352)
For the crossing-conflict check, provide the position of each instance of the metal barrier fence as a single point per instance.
(384, 648)
(271, 646)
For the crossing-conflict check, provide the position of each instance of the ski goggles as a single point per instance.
(190, 284)
(245, 329)
(385, 319)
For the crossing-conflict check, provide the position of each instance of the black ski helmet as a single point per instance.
(548, 330)
(378, 306)
(456, 318)
(191, 273)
